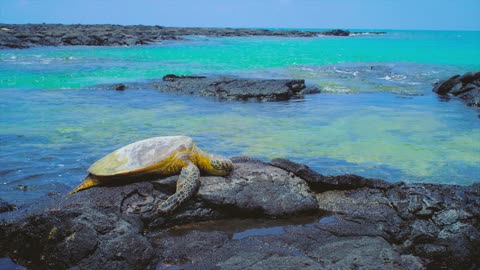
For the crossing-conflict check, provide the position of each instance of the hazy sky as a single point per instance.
(379, 14)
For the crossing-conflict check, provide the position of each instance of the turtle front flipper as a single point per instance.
(187, 186)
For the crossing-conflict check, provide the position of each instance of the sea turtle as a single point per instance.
(162, 156)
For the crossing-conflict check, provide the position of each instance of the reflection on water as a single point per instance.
(258, 232)
(327, 219)
(238, 228)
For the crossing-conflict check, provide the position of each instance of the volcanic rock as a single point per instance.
(465, 87)
(223, 87)
(261, 216)
(29, 35)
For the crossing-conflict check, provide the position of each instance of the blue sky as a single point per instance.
(366, 14)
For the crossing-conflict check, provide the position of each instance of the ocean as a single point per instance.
(376, 116)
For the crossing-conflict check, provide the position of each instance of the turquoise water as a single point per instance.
(376, 116)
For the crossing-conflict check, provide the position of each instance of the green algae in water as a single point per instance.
(374, 135)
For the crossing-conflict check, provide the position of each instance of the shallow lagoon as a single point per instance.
(376, 116)
(53, 136)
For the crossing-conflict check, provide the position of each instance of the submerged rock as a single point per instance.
(465, 87)
(222, 87)
(5, 206)
(350, 222)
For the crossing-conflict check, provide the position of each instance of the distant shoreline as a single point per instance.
(22, 36)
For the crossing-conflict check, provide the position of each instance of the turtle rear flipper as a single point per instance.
(88, 182)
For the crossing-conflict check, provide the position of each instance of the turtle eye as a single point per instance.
(227, 166)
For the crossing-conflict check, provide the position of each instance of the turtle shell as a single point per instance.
(140, 156)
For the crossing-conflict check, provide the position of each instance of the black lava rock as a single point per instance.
(466, 87)
(29, 35)
(120, 87)
(222, 87)
(351, 222)
(337, 32)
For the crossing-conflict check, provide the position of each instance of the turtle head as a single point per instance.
(218, 165)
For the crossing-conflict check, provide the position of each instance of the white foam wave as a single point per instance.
(367, 34)
(395, 77)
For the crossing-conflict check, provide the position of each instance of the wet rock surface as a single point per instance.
(29, 35)
(341, 222)
(466, 87)
(223, 87)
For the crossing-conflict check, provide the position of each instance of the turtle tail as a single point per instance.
(88, 182)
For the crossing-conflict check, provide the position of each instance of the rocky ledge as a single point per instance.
(29, 35)
(465, 87)
(223, 87)
(346, 222)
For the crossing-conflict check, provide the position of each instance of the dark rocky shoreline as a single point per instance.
(465, 87)
(30, 35)
(350, 222)
(222, 87)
